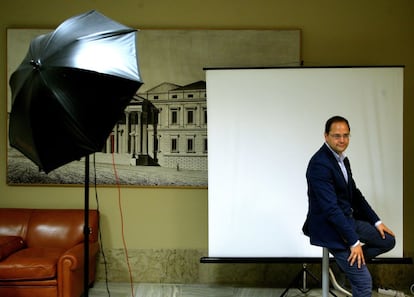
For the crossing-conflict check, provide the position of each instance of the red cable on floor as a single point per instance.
(122, 224)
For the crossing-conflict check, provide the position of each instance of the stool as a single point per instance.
(325, 272)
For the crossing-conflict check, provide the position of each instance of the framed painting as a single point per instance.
(161, 140)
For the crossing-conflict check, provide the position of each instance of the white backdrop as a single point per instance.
(263, 127)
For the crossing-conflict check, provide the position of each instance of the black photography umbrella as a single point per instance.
(69, 92)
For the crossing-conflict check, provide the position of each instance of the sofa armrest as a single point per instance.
(71, 268)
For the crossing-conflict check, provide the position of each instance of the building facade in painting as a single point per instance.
(165, 126)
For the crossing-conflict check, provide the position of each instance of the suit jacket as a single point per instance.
(334, 204)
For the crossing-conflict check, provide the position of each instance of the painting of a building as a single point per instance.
(165, 126)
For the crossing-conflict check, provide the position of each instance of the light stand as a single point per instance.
(86, 232)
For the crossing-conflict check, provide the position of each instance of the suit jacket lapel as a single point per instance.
(348, 170)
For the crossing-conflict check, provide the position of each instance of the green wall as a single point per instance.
(371, 32)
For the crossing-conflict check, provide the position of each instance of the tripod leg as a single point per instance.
(307, 272)
(302, 275)
(294, 281)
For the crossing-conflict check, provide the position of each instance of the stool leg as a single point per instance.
(325, 273)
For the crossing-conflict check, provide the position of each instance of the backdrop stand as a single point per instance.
(301, 277)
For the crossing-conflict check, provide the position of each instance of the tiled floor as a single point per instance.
(189, 290)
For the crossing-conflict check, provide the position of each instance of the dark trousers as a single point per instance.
(374, 245)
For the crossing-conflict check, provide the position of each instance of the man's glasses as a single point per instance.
(339, 136)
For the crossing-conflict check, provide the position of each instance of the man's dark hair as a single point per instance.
(335, 119)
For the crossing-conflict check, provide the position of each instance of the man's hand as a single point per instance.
(356, 256)
(382, 229)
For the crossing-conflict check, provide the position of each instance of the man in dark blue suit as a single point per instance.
(339, 217)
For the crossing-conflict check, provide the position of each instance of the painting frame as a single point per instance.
(170, 148)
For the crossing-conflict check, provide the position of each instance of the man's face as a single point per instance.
(338, 137)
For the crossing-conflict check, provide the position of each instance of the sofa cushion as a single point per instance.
(9, 245)
(31, 264)
(60, 228)
(14, 221)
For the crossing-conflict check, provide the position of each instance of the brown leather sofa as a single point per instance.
(41, 252)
